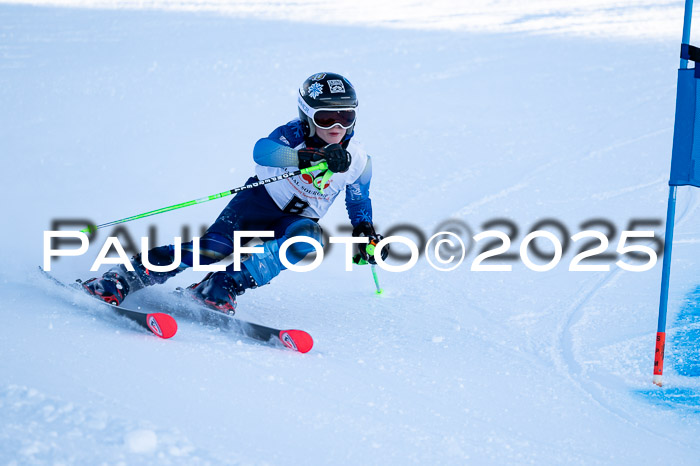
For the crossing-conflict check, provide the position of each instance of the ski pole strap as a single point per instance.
(357, 259)
(303, 171)
(326, 177)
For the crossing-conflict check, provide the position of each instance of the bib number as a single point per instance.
(295, 206)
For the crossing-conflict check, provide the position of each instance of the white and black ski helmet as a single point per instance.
(326, 91)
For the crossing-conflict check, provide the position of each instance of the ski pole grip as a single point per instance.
(320, 166)
(371, 246)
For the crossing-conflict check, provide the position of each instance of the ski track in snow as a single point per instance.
(686, 241)
(565, 355)
(629, 189)
(627, 141)
(473, 206)
(526, 182)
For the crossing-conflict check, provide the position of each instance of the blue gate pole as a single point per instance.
(668, 238)
(665, 276)
(686, 28)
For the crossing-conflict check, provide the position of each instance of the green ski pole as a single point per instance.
(360, 261)
(320, 166)
(376, 279)
(370, 250)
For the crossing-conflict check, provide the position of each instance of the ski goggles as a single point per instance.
(326, 118)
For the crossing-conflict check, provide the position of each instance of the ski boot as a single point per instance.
(111, 288)
(218, 290)
(116, 283)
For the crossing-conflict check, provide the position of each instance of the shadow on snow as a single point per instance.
(682, 359)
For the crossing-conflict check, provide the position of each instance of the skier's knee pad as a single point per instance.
(305, 227)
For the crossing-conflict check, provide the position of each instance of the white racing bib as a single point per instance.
(297, 194)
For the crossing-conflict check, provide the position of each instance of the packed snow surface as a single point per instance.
(594, 18)
(495, 115)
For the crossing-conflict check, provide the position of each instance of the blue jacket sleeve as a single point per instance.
(357, 200)
(277, 150)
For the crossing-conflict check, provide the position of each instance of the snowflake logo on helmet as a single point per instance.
(315, 90)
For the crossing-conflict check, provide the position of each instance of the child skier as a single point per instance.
(291, 207)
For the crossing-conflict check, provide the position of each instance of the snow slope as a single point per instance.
(649, 19)
(107, 113)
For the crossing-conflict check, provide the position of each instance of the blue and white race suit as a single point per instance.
(276, 155)
(289, 207)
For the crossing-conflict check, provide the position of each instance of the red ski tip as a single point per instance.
(163, 325)
(298, 340)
